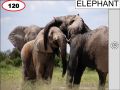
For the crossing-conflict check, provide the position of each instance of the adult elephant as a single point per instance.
(89, 50)
(40, 62)
(22, 34)
(70, 25)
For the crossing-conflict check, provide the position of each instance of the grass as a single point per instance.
(11, 79)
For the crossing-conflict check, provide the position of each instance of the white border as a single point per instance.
(114, 59)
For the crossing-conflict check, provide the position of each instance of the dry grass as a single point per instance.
(11, 79)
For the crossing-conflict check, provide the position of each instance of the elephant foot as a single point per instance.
(76, 87)
(101, 87)
(69, 85)
(69, 82)
(26, 78)
(47, 82)
(29, 79)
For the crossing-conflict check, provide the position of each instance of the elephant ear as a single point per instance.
(76, 26)
(16, 37)
(55, 22)
(85, 28)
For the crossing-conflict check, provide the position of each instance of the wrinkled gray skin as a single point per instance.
(38, 63)
(22, 34)
(89, 50)
(70, 25)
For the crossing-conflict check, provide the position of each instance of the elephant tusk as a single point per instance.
(68, 41)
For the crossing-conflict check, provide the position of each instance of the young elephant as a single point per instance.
(89, 50)
(34, 55)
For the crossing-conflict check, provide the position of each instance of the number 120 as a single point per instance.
(13, 5)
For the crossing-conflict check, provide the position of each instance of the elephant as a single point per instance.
(22, 34)
(40, 62)
(70, 25)
(88, 50)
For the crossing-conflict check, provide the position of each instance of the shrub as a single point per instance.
(8, 61)
(3, 64)
(2, 56)
(10, 58)
(17, 62)
(14, 54)
(13, 58)
(57, 61)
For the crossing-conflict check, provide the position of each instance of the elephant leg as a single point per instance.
(28, 70)
(70, 76)
(102, 80)
(49, 68)
(25, 74)
(49, 71)
(26, 66)
(69, 79)
(72, 65)
(78, 74)
(39, 67)
(39, 71)
(32, 72)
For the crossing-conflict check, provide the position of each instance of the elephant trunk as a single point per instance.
(55, 22)
(62, 45)
(72, 64)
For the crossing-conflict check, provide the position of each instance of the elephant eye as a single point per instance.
(33, 34)
(55, 43)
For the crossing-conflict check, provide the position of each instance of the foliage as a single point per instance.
(14, 54)
(58, 61)
(10, 58)
(13, 58)
(2, 56)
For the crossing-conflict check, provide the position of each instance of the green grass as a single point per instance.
(11, 79)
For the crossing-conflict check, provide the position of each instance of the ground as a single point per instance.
(11, 79)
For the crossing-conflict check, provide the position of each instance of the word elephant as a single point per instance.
(38, 63)
(88, 50)
(22, 34)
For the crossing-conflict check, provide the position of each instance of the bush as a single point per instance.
(17, 62)
(14, 54)
(13, 58)
(58, 61)
(3, 64)
(8, 61)
(2, 56)
(10, 58)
